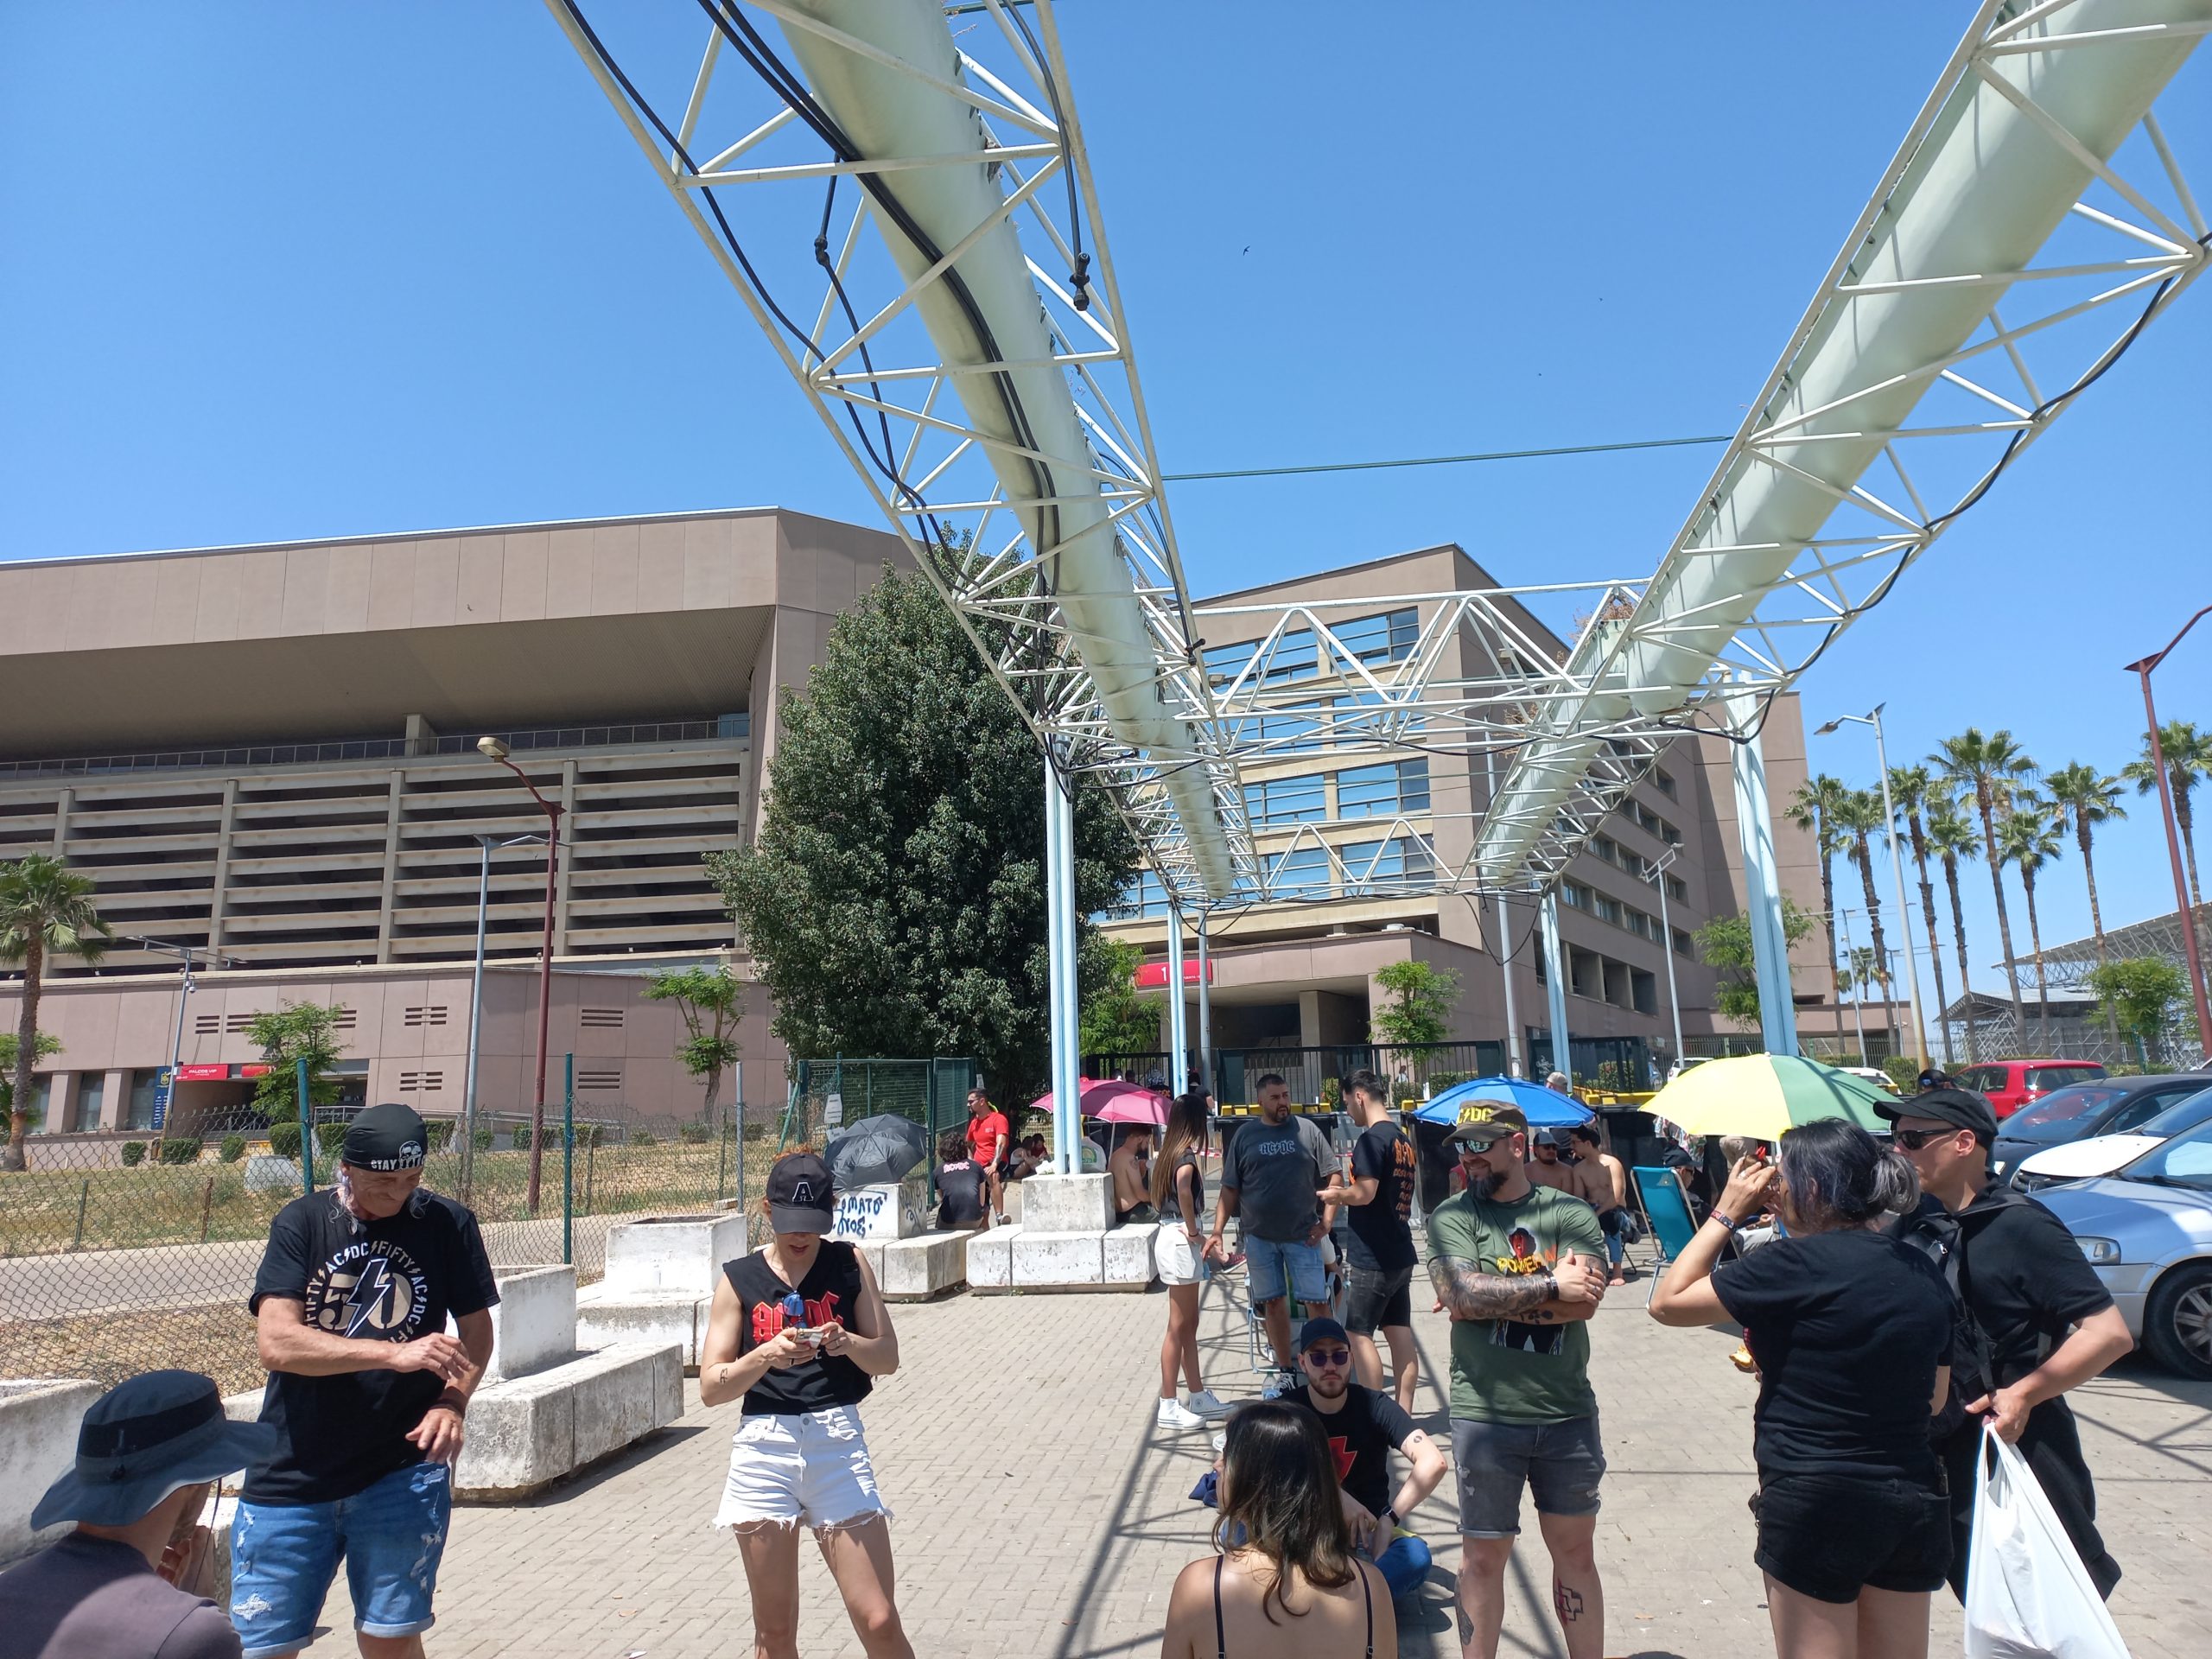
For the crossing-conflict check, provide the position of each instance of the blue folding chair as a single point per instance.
(1666, 1212)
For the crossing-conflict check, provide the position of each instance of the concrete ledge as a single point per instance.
(990, 1259)
(39, 1419)
(534, 1321)
(606, 1315)
(1067, 1203)
(526, 1433)
(919, 1269)
(1127, 1254)
(672, 1252)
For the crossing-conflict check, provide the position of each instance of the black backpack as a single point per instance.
(1936, 1234)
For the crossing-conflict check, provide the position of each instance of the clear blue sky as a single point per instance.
(280, 272)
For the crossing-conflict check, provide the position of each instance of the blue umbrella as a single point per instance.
(1545, 1108)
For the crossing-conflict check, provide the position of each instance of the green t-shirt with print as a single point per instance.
(1514, 1371)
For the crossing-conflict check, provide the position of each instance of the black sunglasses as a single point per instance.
(1914, 1139)
(1330, 1357)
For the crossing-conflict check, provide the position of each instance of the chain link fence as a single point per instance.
(827, 1096)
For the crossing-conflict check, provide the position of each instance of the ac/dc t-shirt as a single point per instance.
(1381, 1237)
(1361, 1436)
(1518, 1370)
(387, 1280)
(961, 1194)
(831, 1289)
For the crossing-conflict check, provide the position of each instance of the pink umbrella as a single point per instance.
(1111, 1101)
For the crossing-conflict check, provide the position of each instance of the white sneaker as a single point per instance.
(1206, 1404)
(1279, 1383)
(1173, 1416)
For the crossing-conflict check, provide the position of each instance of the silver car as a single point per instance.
(2147, 1231)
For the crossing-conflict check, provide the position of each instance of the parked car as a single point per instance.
(2107, 1154)
(1872, 1074)
(2114, 1106)
(2148, 1233)
(2010, 1085)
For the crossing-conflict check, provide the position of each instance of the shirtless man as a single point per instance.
(1547, 1167)
(1132, 1178)
(1604, 1182)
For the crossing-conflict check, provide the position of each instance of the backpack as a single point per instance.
(1937, 1235)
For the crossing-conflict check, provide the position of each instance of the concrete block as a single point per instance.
(1054, 1259)
(990, 1259)
(528, 1432)
(1067, 1203)
(916, 1270)
(672, 1252)
(265, 1173)
(39, 1419)
(877, 1213)
(244, 1406)
(534, 1321)
(1128, 1255)
(606, 1316)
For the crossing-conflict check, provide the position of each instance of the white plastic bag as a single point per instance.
(2028, 1595)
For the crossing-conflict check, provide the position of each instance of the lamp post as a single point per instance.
(2142, 671)
(188, 954)
(492, 749)
(1897, 868)
(1657, 870)
(489, 844)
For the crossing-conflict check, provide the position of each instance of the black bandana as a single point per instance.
(390, 1136)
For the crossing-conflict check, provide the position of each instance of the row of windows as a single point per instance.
(1391, 789)
(1304, 872)
(1295, 654)
(1605, 848)
(1643, 926)
(1323, 721)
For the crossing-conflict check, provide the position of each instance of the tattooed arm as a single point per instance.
(1571, 1291)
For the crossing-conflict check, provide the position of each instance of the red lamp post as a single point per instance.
(2173, 835)
(494, 750)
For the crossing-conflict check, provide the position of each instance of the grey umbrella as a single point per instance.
(875, 1150)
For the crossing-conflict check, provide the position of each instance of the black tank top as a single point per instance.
(831, 1289)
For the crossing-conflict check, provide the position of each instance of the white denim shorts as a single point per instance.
(810, 1467)
(1176, 1259)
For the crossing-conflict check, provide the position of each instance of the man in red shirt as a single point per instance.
(987, 1138)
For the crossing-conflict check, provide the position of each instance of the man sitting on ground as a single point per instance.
(1362, 1424)
(1033, 1155)
(962, 1187)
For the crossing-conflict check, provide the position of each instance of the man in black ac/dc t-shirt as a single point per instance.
(1379, 1255)
(367, 1392)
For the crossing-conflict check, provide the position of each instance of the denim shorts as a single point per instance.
(1560, 1464)
(1375, 1298)
(790, 1468)
(391, 1536)
(1269, 1266)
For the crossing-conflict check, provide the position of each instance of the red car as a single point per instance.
(2010, 1084)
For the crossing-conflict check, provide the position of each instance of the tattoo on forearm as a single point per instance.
(1473, 1296)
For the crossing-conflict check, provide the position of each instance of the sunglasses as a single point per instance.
(1330, 1358)
(1914, 1139)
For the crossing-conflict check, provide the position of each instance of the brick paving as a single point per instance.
(1040, 1515)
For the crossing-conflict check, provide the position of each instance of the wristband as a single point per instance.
(1387, 1520)
(453, 1401)
(1726, 1220)
(1551, 1284)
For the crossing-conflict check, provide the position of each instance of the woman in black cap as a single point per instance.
(799, 1333)
(147, 1452)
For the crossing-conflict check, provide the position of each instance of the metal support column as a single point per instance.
(1205, 1011)
(1060, 925)
(1555, 988)
(1179, 1043)
(1513, 1033)
(1763, 888)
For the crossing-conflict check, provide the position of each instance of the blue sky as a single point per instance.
(277, 271)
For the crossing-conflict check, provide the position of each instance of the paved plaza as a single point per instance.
(1040, 1515)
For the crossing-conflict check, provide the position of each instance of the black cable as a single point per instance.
(1079, 278)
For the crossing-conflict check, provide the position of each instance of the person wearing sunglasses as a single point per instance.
(1363, 1426)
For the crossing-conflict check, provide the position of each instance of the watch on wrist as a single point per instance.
(1724, 1218)
(1388, 1521)
(1551, 1285)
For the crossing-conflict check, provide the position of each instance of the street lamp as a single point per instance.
(489, 844)
(188, 954)
(492, 749)
(1656, 869)
(2173, 839)
(1896, 867)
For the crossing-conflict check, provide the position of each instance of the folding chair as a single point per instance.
(1666, 1216)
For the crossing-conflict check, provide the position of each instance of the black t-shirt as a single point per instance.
(1361, 1437)
(2024, 1279)
(1847, 1329)
(1381, 1237)
(387, 1280)
(1172, 1211)
(831, 1290)
(960, 1193)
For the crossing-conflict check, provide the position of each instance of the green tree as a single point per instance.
(1116, 1019)
(1724, 942)
(1420, 999)
(1858, 817)
(1911, 791)
(895, 898)
(1992, 769)
(43, 1046)
(2188, 762)
(1951, 838)
(296, 1032)
(710, 1001)
(47, 910)
(2142, 996)
(1816, 807)
(2030, 840)
(2081, 797)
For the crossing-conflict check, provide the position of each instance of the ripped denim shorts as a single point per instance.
(802, 1466)
(284, 1557)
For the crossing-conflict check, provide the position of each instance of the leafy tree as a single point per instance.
(2081, 797)
(1858, 818)
(2188, 762)
(1993, 769)
(1816, 807)
(47, 910)
(1911, 791)
(895, 898)
(710, 1001)
(1724, 942)
(2142, 996)
(2030, 840)
(1116, 1019)
(296, 1032)
(1420, 999)
(44, 1046)
(1952, 840)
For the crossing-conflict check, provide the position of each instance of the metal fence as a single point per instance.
(830, 1095)
(122, 1253)
(1312, 1073)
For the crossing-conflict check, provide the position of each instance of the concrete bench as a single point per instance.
(1018, 1258)
(527, 1433)
(661, 1274)
(920, 1268)
(39, 1419)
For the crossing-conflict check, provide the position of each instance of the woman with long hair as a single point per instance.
(1178, 1193)
(1851, 1330)
(799, 1333)
(1285, 1580)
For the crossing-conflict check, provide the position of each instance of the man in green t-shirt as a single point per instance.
(1521, 1268)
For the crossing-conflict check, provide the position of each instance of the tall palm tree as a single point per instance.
(2189, 763)
(1994, 769)
(1858, 817)
(1952, 839)
(2082, 798)
(1910, 791)
(1813, 807)
(2029, 841)
(46, 909)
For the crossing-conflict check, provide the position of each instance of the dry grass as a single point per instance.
(216, 1339)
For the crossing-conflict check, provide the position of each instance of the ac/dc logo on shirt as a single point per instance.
(768, 1320)
(372, 1289)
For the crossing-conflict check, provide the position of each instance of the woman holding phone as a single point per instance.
(799, 1333)
(1178, 1193)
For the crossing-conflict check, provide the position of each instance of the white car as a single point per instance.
(2106, 1154)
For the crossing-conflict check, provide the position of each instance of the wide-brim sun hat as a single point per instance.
(141, 1440)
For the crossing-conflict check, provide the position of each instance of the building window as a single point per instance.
(143, 1082)
(1665, 780)
(1677, 888)
(1604, 847)
(1144, 898)
(41, 1095)
(1302, 871)
(1291, 659)
(1388, 637)
(433, 1013)
(1682, 942)
(1573, 897)
(1286, 800)
(92, 1097)
(1370, 863)
(1606, 910)
(1644, 990)
(600, 1019)
(1388, 790)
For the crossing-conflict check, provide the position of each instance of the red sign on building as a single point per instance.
(1152, 976)
(255, 1071)
(202, 1073)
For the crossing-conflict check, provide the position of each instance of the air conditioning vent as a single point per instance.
(421, 1083)
(239, 1021)
(207, 1025)
(598, 1080)
(348, 1019)
(431, 1015)
(601, 1018)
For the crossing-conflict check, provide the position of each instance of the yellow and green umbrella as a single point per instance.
(1763, 1095)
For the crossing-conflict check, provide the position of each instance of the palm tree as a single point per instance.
(2082, 798)
(1995, 769)
(46, 909)
(1952, 839)
(2029, 841)
(2189, 763)
(1910, 791)
(1813, 807)
(1858, 818)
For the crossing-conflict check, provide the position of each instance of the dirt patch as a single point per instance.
(216, 1339)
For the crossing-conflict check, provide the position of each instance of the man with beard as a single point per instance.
(1520, 1269)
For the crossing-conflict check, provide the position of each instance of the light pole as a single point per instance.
(186, 954)
(1657, 870)
(489, 844)
(493, 749)
(1897, 868)
(2142, 671)
(1858, 1001)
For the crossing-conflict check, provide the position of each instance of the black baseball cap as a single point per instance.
(1949, 1104)
(385, 1136)
(1482, 1121)
(799, 1195)
(1321, 1328)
